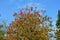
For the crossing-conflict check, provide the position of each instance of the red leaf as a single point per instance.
(20, 12)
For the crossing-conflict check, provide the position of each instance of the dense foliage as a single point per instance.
(29, 25)
(58, 26)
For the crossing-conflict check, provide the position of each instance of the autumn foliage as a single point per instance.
(28, 26)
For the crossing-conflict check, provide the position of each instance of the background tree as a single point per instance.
(1, 32)
(58, 26)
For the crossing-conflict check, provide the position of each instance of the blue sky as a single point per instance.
(8, 7)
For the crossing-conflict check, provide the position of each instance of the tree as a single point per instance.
(1, 32)
(58, 26)
(29, 26)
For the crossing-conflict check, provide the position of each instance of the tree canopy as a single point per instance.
(29, 25)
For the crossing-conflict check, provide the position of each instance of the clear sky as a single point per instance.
(8, 7)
